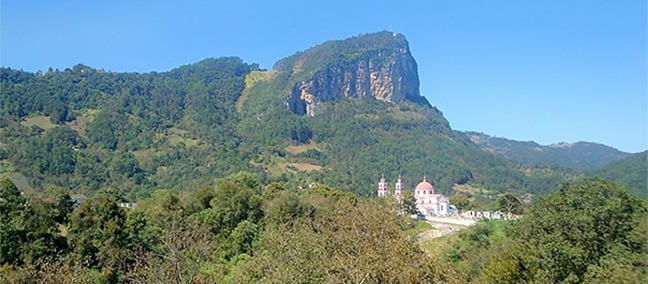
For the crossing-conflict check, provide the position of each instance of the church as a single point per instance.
(427, 202)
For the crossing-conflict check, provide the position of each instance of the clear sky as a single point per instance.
(548, 71)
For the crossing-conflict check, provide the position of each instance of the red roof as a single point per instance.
(424, 185)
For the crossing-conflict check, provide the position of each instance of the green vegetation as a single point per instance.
(230, 185)
(580, 156)
(126, 131)
(632, 172)
(591, 232)
(470, 250)
(242, 231)
(89, 130)
(238, 232)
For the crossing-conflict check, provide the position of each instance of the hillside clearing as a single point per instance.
(250, 80)
(40, 121)
(303, 167)
(296, 149)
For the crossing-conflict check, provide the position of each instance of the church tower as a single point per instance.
(382, 187)
(398, 192)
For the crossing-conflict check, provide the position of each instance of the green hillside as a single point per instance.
(90, 130)
(632, 172)
(580, 156)
(125, 131)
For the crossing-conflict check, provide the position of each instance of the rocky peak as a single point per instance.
(376, 65)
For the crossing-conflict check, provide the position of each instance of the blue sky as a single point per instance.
(548, 71)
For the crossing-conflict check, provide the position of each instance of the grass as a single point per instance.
(405, 115)
(434, 246)
(302, 148)
(176, 140)
(176, 136)
(421, 226)
(79, 124)
(277, 166)
(471, 189)
(250, 80)
(20, 181)
(40, 121)
(303, 167)
(178, 131)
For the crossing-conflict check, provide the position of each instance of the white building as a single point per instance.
(427, 202)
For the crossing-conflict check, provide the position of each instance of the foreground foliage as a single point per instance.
(239, 232)
(591, 232)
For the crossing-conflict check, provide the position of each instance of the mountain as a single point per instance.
(377, 65)
(581, 156)
(341, 113)
(317, 101)
(631, 172)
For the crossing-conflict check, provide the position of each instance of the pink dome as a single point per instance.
(424, 185)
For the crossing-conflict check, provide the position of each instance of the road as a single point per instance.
(443, 227)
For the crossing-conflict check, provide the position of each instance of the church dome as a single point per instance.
(424, 185)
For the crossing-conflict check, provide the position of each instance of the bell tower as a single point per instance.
(398, 191)
(382, 187)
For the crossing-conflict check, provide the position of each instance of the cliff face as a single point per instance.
(387, 74)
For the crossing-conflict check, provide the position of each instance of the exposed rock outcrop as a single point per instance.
(388, 74)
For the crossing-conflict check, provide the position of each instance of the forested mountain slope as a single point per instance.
(126, 131)
(632, 172)
(577, 156)
(341, 113)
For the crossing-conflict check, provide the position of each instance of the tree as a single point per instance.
(28, 230)
(285, 207)
(570, 232)
(11, 206)
(462, 202)
(508, 203)
(11, 200)
(98, 236)
(354, 242)
(183, 248)
(409, 203)
(204, 196)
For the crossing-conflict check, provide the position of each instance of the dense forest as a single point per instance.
(129, 132)
(242, 231)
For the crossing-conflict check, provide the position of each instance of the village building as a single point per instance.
(427, 201)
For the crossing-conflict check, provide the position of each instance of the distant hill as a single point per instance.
(631, 172)
(581, 156)
(341, 113)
